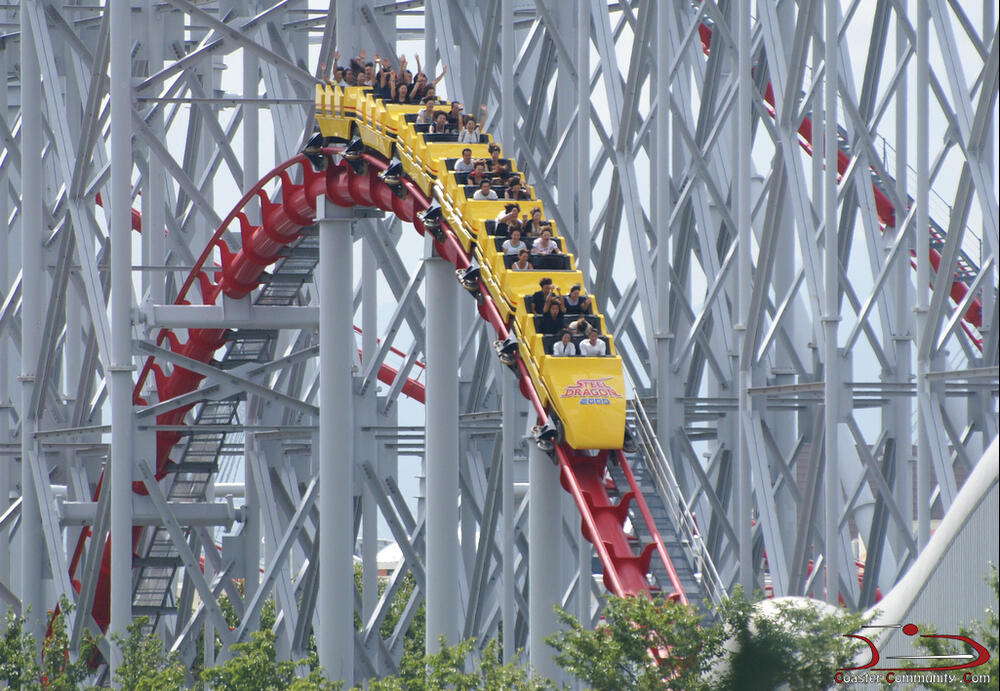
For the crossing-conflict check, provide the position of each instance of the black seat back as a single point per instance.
(550, 262)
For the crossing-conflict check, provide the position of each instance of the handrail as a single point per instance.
(658, 466)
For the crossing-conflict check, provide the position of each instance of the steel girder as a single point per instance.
(662, 81)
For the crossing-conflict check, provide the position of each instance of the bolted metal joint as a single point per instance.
(629, 444)
(546, 436)
(431, 218)
(507, 350)
(393, 177)
(352, 154)
(314, 152)
(469, 278)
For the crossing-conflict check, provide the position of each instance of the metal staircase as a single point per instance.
(210, 435)
(653, 475)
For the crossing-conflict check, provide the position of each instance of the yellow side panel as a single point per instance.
(377, 141)
(334, 127)
(415, 172)
(588, 394)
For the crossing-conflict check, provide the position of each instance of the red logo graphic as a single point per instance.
(937, 663)
(590, 388)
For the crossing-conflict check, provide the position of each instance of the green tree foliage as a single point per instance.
(18, 664)
(985, 632)
(801, 647)
(146, 666)
(254, 666)
(450, 668)
(57, 670)
(617, 655)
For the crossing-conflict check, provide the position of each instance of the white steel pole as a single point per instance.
(507, 112)
(744, 502)
(923, 274)
(441, 453)
(831, 318)
(154, 218)
(544, 533)
(32, 606)
(583, 208)
(901, 423)
(509, 384)
(120, 232)
(6, 262)
(508, 612)
(662, 206)
(369, 344)
(252, 532)
(336, 445)
(583, 189)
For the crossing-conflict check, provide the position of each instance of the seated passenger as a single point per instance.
(465, 164)
(576, 303)
(441, 124)
(421, 88)
(522, 263)
(533, 224)
(426, 116)
(545, 245)
(382, 82)
(580, 327)
(478, 173)
(455, 115)
(495, 165)
(513, 244)
(540, 298)
(507, 219)
(514, 189)
(484, 192)
(401, 94)
(471, 130)
(564, 346)
(593, 346)
(551, 321)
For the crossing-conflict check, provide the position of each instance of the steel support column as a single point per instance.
(507, 58)
(336, 441)
(369, 402)
(6, 269)
(662, 208)
(441, 453)
(32, 303)
(831, 309)
(923, 275)
(583, 187)
(508, 402)
(544, 538)
(120, 232)
(744, 502)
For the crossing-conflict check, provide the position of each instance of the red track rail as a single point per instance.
(883, 206)
(238, 275)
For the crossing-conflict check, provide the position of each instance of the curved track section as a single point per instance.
(237, 273)
(885, 209)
